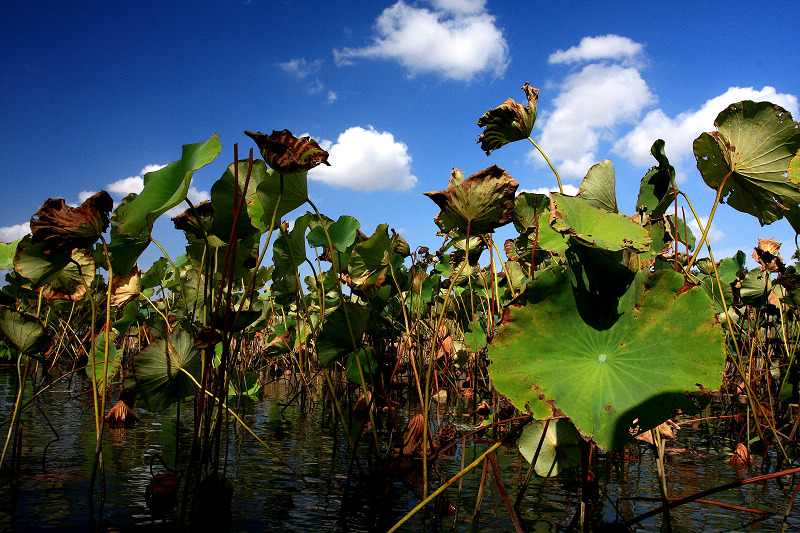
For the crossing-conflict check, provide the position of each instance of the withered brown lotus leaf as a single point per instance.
(480, 203)
(509, 122)
(766, 254)
(286, 153)
(126, 287)
(63, 228)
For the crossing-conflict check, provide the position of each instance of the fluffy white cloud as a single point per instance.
(131, 184)
(714, 234)
(85, 195)
(680, 132)
(366, 160)
(609, 46)
(458, 40)
(590, 105)
(12, 233)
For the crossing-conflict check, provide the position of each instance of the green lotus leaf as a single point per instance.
(225, 196)
(289, 250)
(657, 190)
(132, 221)
(753, 146)
(561, 447)
(73, 279)
(509, 122)
(335, 341)
(370, 259)
(481, 203)
(97, 363)
(369, 365)
(343, 233)
(632, 374)
(157, 374)
(278, 195)
(23, 331)
(7, 252)
(31, 262)
(164, 189)
(576, 218)
(731, 268)
(599, 187)
(286, 153)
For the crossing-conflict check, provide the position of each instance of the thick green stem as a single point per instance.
(558, 178)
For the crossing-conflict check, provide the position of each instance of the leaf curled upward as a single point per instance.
(63, 228)
(286, 153)
(509, 122)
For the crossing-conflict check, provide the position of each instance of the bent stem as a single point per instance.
(558, 178)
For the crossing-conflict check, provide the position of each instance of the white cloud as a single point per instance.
(366, 160)
(714, 234)
(610, 46)
(458, 40)
(12, 233)
(680, 132)
(85, 195)
(131, 184)
(569, 190)
(591, 104)
(332, 96)
(301, 68)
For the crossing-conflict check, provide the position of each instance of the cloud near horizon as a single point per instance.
(366, 160)
(458, 39)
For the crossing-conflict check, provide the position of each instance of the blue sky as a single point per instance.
(94, 94)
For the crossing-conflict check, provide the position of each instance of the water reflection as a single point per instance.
(339, 494)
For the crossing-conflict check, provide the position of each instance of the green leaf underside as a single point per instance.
(560, 448)
(577, 218)
(599, 187)
(335, 341)
(660, 347)
(755, 144)
(157, 378)
(25, 332)
(370, 258)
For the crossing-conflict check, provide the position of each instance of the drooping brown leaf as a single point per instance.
(286, 153)
(741, 457)
(63, 228)
(479, 204)
(766, 254)
(509, 122)
(121, 415)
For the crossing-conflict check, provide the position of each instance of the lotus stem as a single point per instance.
(558, 178)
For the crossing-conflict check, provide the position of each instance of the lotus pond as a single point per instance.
(295, 371)
(338, 497)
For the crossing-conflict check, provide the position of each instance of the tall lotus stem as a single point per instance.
(558, 178)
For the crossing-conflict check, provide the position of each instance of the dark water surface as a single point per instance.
(269, 497)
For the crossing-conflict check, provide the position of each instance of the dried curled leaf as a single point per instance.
(479, 204)
(63, 228)
(286, 153)
(509, 122)
(766, 255)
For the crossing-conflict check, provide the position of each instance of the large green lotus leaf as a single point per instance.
(508, 122)
(335, 342)
(479, 204)
(369, 365)
(370, 259)
(754, 143)
(528, 208)
(23, 331)
(164, 189)
(599, 187)
(225, 196)
(657, 190)
(280, 194)
(342, 233)
(561, 447)
(665, 342)
(793, 215)
(157, 376)
(575, 217)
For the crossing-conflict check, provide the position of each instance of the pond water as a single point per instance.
(56, 464)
